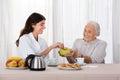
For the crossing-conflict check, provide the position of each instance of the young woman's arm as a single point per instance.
(56, 45)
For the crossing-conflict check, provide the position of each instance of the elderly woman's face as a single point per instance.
(89, 33)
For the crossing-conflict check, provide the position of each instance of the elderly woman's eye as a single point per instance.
(84, 30)
(89, 31)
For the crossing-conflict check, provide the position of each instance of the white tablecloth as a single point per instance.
(88, 72)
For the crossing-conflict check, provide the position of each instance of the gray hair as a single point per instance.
(96, 26)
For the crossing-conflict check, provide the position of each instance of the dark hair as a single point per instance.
(33, 19)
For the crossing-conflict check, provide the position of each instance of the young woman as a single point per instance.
(30, 42)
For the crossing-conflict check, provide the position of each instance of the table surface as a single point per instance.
(87, 72)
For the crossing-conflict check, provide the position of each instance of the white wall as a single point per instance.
(14, 15)
(116, 31)
(70, 17)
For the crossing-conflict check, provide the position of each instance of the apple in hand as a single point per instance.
(65, 51)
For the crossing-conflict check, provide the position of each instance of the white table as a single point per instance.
(88, 72)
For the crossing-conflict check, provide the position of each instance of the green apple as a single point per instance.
(64, 51)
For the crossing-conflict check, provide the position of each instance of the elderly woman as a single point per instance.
(89, 47)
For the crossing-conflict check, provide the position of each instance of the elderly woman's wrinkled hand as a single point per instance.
(76, 54)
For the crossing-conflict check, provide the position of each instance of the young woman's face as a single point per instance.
(89, 33)
(39, 27)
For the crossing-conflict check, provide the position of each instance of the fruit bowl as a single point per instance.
(15, 62)
(65, 51)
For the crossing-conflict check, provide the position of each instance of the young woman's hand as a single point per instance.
(58, 45)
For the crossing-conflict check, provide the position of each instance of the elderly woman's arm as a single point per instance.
(87, 59)
(99, 53)
(70, 59)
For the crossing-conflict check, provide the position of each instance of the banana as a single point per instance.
(12, 64)
(16, 58)
(15, 61)
(21, 63)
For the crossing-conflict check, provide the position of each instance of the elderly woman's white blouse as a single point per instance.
(28, 45)
(95, 49)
